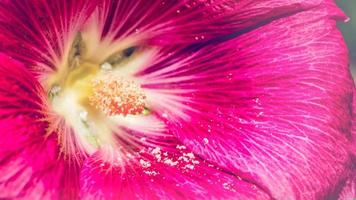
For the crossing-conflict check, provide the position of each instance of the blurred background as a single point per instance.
(349, 30)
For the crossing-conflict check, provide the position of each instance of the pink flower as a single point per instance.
(191, 99)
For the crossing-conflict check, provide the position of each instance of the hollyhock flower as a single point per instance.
(191, 99)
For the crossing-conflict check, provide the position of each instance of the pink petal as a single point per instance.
(165, 173)
(272, 105)
(191, 21)
(249, 119)
(353, 131)
(30, 164)
(38, 32)
(20, 106)
(348, 190)
(348, 186)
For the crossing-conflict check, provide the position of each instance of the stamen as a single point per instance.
(115, 95)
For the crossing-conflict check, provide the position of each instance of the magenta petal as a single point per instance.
(191, 21)
(20, 106)
(38, 32)
(162, 174)
(34, 171)
(30, 164)
(272, 105)
(349, 189)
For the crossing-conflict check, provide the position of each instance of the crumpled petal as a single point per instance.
(162, 173)
(272, 105)
(30, 164)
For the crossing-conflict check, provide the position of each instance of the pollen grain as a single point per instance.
(115, 95)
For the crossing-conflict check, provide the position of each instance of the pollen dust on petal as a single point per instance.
(115, 95)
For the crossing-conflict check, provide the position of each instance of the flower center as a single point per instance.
(117, 96)
(89, 93)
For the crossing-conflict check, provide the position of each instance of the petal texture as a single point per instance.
(37, 32)
(348, 190)
(162, 173)
(40, 33)
(30, 164)
(272, 105)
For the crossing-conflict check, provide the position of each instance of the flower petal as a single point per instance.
(162, 173)
(191, 21)
(37, 32)
(29, 159)
(272, 105)
(40, 33)
(349, 189)
(20, 102)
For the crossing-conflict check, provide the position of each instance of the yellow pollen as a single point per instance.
(115, 95)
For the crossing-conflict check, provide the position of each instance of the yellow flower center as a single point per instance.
(93, 90)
